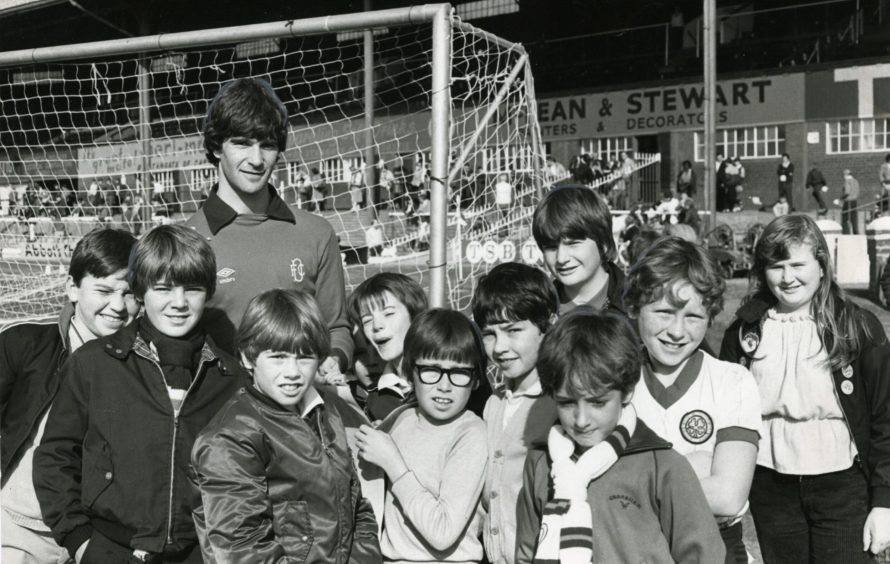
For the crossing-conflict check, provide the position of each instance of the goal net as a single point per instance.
(116, 140)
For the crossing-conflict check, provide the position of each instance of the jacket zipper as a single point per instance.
(173, 442)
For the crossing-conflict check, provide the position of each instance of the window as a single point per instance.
(857, 136)
(296, 171)
(335, 169)
(746, 142)
(607, 148)
(508, 158)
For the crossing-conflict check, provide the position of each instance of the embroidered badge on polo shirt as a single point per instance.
(696, 426)
(296, 270)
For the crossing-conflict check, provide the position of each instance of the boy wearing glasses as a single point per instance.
(433, 452)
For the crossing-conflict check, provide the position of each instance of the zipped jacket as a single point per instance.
(862, 387)
(648, 507)
(31, 358)
(115, 454)
(280, 488)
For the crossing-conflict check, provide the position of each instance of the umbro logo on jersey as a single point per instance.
(225, 275)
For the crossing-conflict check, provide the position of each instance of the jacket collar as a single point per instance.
(614, 288)
(644, 439)
(128, 339)
(65, 317)
(219, 214)
(753, 310)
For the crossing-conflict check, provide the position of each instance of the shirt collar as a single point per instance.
(311, 400)
(219, 214)
(532, 391)
(392, 381)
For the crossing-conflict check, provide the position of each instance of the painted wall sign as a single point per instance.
(849, 93)
(744, 101)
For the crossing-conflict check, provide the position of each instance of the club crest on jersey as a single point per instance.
(696, 426)
(296, 270)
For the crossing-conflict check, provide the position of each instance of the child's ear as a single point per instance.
(245, 362)
(71, 289)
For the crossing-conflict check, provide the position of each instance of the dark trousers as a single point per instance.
(810, 519)
(817, 195)
(735, 544)
(103, 550)
(850, 217)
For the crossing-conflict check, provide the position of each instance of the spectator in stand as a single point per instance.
(374, 239)
(720, 180)
(677, 26)
(503, 194)
(785, 172)
(418, 177)
(399, 188)
(554, 171)
(780, 208)
(387, 183)
(667, 209)
(816, 185)
(582, 173)
(686, 179)
(319, 189)
(357, 185)
(849, 211)
(628, 166)
(732, 182)
(884, 177)
(687, 214)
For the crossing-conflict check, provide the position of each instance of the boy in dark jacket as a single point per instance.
(31, 355)
(276, 475)
(606, 488)
(111, 472)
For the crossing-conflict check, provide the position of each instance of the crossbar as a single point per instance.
(235, 34)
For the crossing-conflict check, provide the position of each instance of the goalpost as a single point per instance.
(388, 105)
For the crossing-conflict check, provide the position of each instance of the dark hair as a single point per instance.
(644, 239)
(443, 334)
(371, 294)
(591, 353)
(667, 262)
(283, 320)
(841, 323)
(571, 211)
(515, 292)
(100, 253)
(246, 107)
(174, 254)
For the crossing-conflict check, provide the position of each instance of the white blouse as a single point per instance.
(803, 430)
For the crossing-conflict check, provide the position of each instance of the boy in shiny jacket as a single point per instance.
(111, 472)
(275, 473)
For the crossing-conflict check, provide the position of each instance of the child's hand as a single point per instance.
(378, 448)
(330, 373)
(876, 534)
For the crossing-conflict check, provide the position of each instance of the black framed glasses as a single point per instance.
(460, 377)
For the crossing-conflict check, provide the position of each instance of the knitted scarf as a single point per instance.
(566, 535)
(178, 357)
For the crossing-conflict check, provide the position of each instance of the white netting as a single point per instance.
(71, 156)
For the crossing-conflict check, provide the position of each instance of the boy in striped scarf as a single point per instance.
(606, 488)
